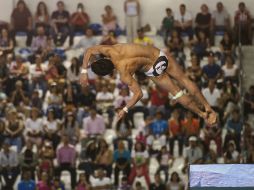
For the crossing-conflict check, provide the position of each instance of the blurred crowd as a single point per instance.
(50, 124)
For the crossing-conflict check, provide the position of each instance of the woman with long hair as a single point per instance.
(41, 17)
(6, 43)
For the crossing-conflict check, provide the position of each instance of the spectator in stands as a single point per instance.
(159, 129)
(4, 74)
(36, 100)
(243, 25)
(183, 21)
(203, 21)
(158, 184)
(158, 98)
(167, 25)
(175, 132)
(13, 129)
(87, 41)
(86, 97)
(249, 101)
(73, 71)
(51, 71)
(211, 70)
(66, 158)
(200, 45)
(193, 153)
(124, 184)
(132, 13)
(60, 23)
(163, 159)
(39, 42)
(6, 43)
(44, 182)
(142, 39)
(175, 182)
(211, 157)
(57, 184)
(69, 97)
(227, 46)
(34, 127)
(2, 131)
(221, 21)
(51, 128)
(191, 126)
(19, 96)
(28, 160)
(21, 21)
(79, 19)
(100, 181)
(94, 124)
(194, 71)
(138, 186)
(9, 166)
(231, 156)
(42, 17)
(140, 159)
(109, 39)
(122, 160)
(82, 183)
(109, 20)
(234, 128)
(212, 94)
(26, 182)
(176, 44)
(70, 128)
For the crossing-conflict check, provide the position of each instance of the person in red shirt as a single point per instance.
(159, 97)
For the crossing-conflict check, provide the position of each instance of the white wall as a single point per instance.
(152, 10)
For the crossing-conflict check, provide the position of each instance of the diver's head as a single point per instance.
(102, 67)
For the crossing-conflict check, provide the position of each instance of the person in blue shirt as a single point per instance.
(26, 183)
(158, 129)
(122, 159)
(211, 70)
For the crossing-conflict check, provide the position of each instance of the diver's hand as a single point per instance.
(211, 118)
(83, 80)
(120, 115)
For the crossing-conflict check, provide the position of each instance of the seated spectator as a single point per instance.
(109, 39)
(138, 186)
(60, 24)
(211, 157)
(158, 98)
(176, 44)
(87, 41)
(42, 17)
(28, 160)
(73, 71)
(140, 160)
(159, 129)
(230, 70)
(26, 182)
(44, 182)
(70, 128)
(200, 45)
(86, 97)
(104, 158)
(175, 132)
(57, 184)
(193, 153)
(142, 39)
(14, 127)
(2, 131)
(158, 184)
(249, 101)
(109, 20)
(243, 25)
(124, 184)
(212, 94)
(60, 67)
(122, 160)
(231, 156)
(79, 19)
(82, 183)
(191, 126)
(234, 128)
(47, 155)
(69, 97)
(167, 25)
(221, 21)
(66, 159)
(227, 46)
(211, 70)
(175, 182)
(163, 159)
(6, 43)
(100, 181)
(4, 74)
(94, 124)
(51, 128)
(203, 21)
(51, 73)
(194, 71)
(183, 21)
(9, 166)
(36, 100)
(39, 42)
(21, 21)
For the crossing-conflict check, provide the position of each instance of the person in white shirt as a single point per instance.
(101, 181)
(221, 21)
(212, 94)
(183, 21)
(132, 12)
(230, 69)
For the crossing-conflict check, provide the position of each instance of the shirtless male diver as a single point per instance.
(158, 66)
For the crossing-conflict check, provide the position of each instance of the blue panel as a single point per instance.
(222, 175)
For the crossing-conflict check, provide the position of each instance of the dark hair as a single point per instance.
(60, 2)
(38, 11)
(102, 67)
(175, 173)
(76, 68)
(143, 147)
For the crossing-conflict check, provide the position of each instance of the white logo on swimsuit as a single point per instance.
(159, 67)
